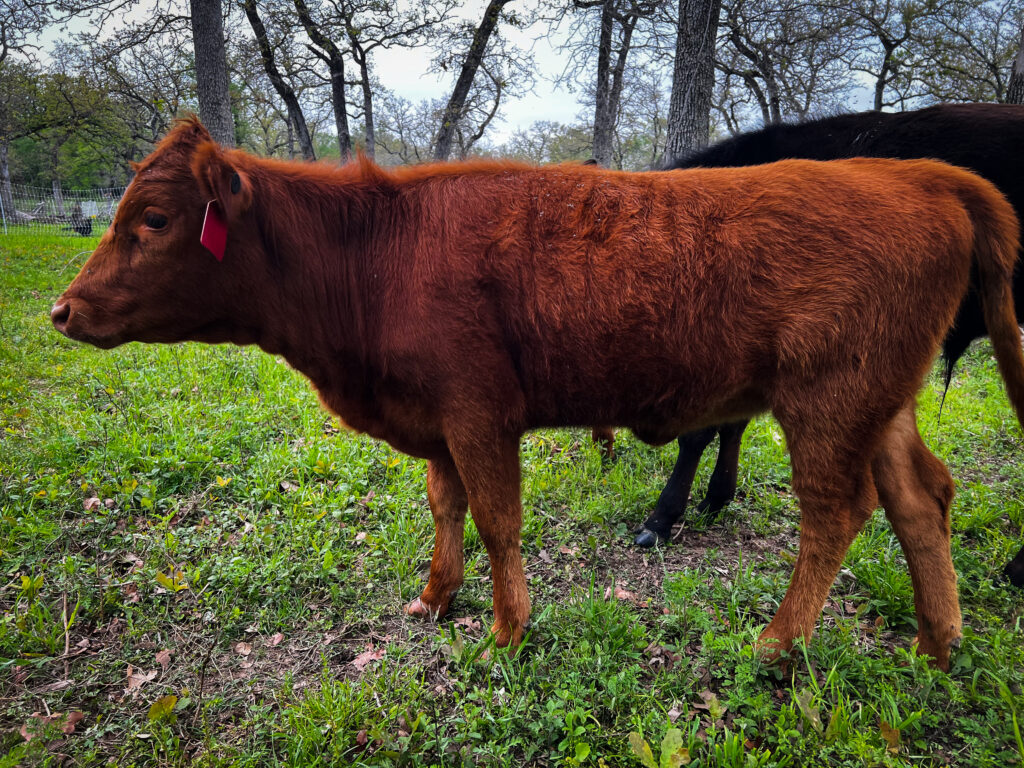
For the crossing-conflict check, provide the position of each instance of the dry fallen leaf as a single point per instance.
(891, 736)
(622, 594)
(67, 723)
(360, 661)
(361, 536)
(73, 719)
(93, 502)
(163, 658)
(58, 685)
(275, 639)
(243, 649)
(676, 712)
(136, 679)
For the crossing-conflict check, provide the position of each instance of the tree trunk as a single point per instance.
(888, 48)
(1015, 91)
(6, 193)
(212, 70)
(336, 67)
(364, 72)
(604, 121)
(617, 72)
(457, 102)
(368, 108)
(284, 90)
(58, 196)
(693, 77)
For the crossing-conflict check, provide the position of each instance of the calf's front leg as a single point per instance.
(447, 497)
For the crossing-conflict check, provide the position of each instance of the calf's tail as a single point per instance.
(996, 245)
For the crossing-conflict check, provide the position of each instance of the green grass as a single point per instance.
(270, 554)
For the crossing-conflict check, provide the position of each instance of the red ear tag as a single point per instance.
(215, 231)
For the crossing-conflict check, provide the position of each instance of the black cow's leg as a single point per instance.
(672, 502)
(722, 486)
(1014, 570)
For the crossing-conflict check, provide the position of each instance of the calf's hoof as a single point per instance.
(938, 649)
(424, 609)
(647, 538)
(508, 636)
(773, 650)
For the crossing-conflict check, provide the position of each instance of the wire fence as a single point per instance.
(56, 211)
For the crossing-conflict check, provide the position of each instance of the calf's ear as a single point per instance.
(221, 181)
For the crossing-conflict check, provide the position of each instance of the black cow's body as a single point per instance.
(986, 138)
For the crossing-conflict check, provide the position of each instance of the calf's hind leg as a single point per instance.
(916, 490)
(448, 502)
(836, 495)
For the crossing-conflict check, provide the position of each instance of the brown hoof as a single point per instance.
(422, 610)
(507, 637)
(939, 652)
(773, 650)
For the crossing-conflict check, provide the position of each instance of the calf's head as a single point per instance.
(151, 278)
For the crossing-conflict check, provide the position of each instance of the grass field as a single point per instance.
(198, 568)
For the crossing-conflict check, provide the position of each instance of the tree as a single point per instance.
(284, 89)
(73, 115)
(785, 56)
(18, 101)
(888, 43)
(693, 76)
(145, 72)
(1015, 90)
(968, 50)
(455, 109)
(406, 130)
(329, 52)
(617, 22)
(546, 141)
(212, 70)
(370, 24)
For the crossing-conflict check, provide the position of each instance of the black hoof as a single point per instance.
(647, 538)
(708, 511)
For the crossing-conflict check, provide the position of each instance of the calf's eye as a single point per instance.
(156, 220)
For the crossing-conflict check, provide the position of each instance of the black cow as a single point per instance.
(986, 138)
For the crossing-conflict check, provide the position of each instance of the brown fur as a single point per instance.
(447, 309)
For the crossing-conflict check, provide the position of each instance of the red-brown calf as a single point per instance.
(448, 309)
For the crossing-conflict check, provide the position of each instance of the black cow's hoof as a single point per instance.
(647, 538)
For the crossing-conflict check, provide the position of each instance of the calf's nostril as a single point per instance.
(60, 313)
